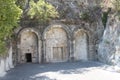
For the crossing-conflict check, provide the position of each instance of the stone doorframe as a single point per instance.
(68, 33)
(38, 34)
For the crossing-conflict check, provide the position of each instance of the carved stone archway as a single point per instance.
(56, 43)
(29, 46)
(80, 45)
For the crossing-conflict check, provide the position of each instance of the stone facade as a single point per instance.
(57, 42)
(66, 39)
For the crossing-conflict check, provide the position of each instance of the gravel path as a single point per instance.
(61, 71)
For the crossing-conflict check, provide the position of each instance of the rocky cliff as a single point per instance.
(109, 48)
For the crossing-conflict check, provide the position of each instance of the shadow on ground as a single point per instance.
(31, 71)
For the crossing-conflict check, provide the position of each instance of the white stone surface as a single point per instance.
(6, 64)
(10, 60)
(2, 68)
(80, 45)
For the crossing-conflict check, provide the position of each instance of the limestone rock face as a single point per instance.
(71, 9)
(109, 48)
(6, 63)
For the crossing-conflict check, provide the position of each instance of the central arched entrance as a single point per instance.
(56, 45)
(28, 47)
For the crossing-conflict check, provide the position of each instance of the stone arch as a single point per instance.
(56, 43)
(29, 45)
(80, 44)
(58, 25)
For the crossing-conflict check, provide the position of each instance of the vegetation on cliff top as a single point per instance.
(9, 16)
(42, 11)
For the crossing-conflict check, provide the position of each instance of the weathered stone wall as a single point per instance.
(59, 42)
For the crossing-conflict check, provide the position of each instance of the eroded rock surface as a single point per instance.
(109, 48)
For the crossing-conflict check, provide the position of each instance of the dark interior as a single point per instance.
(28, 57)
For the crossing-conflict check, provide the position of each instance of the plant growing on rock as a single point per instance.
(85, 16)
(91, 14)
(116, 7)
(42, 11)
(116, 4)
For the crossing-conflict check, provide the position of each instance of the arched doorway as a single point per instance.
(56, 47)
(80, 45)
(28, 47)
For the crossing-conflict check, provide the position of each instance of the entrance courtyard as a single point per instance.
(62, 71)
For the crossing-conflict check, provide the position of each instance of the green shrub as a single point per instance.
(42, 11)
